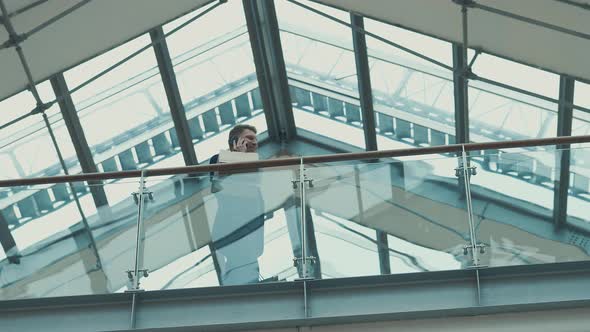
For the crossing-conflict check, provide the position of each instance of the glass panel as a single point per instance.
(413, 106)
(324, 89)
(497, 114)
(54, 236)
(216, 76)
(579, 190)
(418, 204)
(223, 19)
(26, 149)
(578, 203)
(413, 98)
(15, 106)
(512, 196)
(245, 224)
(408, 257)
(582, 94)
(517, 75)
(344, 247)
(132, 94)
(580, 123)
(436, 49)
(340, 130)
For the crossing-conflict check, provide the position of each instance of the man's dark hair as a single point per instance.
(236, 131)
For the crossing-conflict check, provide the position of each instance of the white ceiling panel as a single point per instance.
(581, 2)
(534, 45)
(14, 5)
(86, 32)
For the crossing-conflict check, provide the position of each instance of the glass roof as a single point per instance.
(390, 216)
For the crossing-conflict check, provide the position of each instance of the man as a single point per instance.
(238, 233)
(242, 138)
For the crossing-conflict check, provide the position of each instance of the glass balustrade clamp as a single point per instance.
(139, 198)
(302, 181)
(464, 172)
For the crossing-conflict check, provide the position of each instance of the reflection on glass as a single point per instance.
(513, 197)
(419, 204)
(408, 257)
(243, 225)
(63, 248)
(345, 248)
(196, 269)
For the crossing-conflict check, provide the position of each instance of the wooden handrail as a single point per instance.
(291, 161)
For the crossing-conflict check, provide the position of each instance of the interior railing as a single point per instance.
(459, 206)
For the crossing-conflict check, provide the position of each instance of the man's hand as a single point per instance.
(240, 145)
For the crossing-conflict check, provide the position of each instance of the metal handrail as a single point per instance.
(294, 161)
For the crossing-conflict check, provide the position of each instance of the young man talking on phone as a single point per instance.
(238, 231)
(242, 138)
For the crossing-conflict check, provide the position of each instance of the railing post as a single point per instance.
(300, 184)
(135, 275)
(465, 171)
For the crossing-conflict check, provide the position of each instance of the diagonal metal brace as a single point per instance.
(14, 40)
(41, 108)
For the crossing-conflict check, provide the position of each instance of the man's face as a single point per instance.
(249, 139)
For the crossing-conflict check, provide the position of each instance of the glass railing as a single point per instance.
(292, 219)
(417, 204)
(64, 244)
(222, 228)
(516, 211)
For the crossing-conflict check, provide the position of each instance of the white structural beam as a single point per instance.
(87, 31)
(450, 295)
(494, 33)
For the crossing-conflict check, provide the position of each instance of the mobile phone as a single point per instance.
(233, 140)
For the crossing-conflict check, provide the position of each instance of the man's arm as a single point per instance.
(213, 160)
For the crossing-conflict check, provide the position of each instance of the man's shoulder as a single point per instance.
(214, 159)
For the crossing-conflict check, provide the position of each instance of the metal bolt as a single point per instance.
(482, 248)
